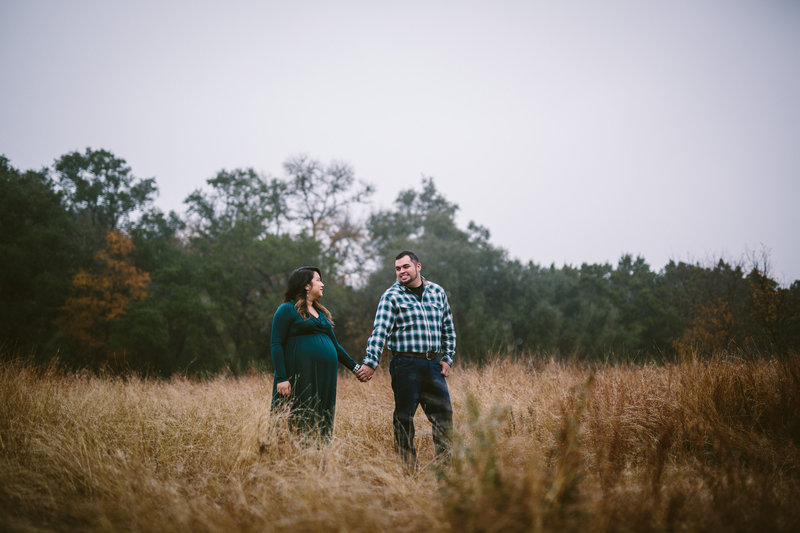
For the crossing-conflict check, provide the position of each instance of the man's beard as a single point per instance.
(411, 279)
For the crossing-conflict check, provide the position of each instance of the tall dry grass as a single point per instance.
(539, 446)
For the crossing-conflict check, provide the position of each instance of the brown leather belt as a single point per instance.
(430, 356)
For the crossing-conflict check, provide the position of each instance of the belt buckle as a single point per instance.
(429, 356)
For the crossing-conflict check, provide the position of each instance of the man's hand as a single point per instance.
(445, 368)
(284, 388)
(365, 373)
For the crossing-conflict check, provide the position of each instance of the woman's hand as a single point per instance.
(284, 388)
(365, 373)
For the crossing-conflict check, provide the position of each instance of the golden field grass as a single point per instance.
(706, 445)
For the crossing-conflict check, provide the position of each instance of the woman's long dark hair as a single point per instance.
(296, 291)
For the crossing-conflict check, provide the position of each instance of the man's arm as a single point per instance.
(448, 336)
(385, 317)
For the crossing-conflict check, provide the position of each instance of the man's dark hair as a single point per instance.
(411, 255)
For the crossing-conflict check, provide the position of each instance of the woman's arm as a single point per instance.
(280, 331)
(341, 354)
(345, 359)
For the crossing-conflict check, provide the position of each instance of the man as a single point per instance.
(415, 322)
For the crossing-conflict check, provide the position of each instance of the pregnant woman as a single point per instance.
(305, 354)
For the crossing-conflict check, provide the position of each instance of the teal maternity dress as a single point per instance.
(306, 352)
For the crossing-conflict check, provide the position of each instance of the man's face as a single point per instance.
(408, 272)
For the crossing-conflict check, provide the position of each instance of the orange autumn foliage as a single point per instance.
(711, 329)
(749, 315)
(765, 303)
(103, 293)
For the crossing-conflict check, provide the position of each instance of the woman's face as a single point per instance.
(315, 288)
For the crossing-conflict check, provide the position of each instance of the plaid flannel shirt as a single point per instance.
(405, 324)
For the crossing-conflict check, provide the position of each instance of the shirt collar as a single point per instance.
(402, 287)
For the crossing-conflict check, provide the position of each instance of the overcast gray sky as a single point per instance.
(574, 131)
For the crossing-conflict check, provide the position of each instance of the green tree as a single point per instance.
(789, 321)
(647, 322)
(239, 265)
(540, 322)
(101, 295)
(36, 257)
(724, 309)
(102, 194)
(240, 200)
(478, 277)
(166, 331)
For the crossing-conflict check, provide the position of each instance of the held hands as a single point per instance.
(364, 373)
(284, 388)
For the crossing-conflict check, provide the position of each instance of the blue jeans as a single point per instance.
(419, 382)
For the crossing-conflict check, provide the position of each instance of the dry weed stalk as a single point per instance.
(540, 446)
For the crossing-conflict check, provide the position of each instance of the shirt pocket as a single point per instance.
(408, 313)
(436, 309)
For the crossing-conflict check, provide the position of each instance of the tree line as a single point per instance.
(97, 276)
